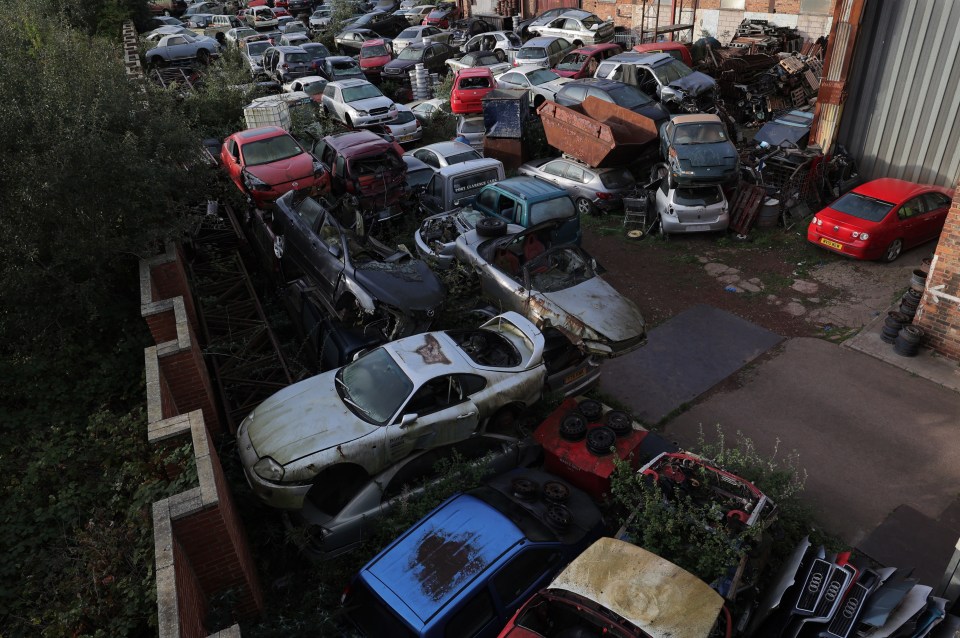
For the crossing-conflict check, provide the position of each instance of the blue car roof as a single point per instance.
(436, 560)
(530, 188)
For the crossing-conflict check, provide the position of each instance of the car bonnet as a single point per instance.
(302, 419)
(407, 284)
(695, 83)
(594, 306)
(293, 168)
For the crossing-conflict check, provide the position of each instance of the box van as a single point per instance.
(455, 186)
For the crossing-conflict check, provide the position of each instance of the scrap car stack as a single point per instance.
(657, 135)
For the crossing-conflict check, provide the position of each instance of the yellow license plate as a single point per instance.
(832, 244)
(579, 374)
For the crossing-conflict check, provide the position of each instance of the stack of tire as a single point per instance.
(909, 303)
(893, 324)
(908, 341)
(600, 431)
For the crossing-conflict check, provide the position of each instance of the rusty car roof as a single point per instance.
(657, 596)
(696, 118)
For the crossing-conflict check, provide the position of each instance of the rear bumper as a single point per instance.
(672, 224)
(856, 249)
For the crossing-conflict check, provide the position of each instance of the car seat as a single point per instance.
(532, 247)
(507, 262)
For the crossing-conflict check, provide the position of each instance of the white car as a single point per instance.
(415, 15)
(416, 393)
(426, 110)
(158, 33)
(578, 27)
(543, 84)
(253, 54)
(488, 59)
(320, 18)
(443, 154)
(472, 128)
(312, 85)
(692, 209)
(235, 36)
(405, 128)
(294, 39)
(416, 35)
(493, 41)
(357, 103)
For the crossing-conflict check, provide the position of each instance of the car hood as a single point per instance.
(401, 64)
(303, 419)
(695, 84)
(553, 85)
(594, 311)
(296, 167)
(371, 103)
(716, 154)
(407, 284)
(370, 63)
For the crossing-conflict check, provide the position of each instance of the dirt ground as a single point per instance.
(777, 279)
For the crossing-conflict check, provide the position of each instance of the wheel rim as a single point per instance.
(584, 206)
(893, 251)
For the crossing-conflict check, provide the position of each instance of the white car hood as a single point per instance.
(371, 103)
(303, 419)
(602, 310)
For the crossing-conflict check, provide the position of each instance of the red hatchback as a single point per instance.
(469, 87)
(583, 62)
(879, 219)
(442, 16)
(374, 54)
(265, 163)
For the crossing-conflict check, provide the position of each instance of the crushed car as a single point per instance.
(359, 280)
(363, 166)
(344, 426)
(698, 150)
(679, 88)
(554, 285)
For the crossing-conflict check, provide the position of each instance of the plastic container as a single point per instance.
(505, 112)
(267, 111)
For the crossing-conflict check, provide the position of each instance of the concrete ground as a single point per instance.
(871, 436)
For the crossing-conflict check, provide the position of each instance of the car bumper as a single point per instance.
(855, 249)
(261, 197)
(369, 120)
(575, 379)
(444, 259)
(464, 107)
(294, 75)
(611, 205)
(672, 224)
(395, 77)
(273, 494)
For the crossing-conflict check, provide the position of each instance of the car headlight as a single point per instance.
(255, 183)
(318, 166)
(267, 468)
(362, 113)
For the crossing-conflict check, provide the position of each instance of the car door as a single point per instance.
(937, 206)
(177, 47)
(910, 220)
(553, 171)
(431, 200)
(575, 179)
(230, 156)
(428, 157)
(440, 411)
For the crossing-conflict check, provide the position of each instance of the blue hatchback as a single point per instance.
(528, 201)
(465, 568)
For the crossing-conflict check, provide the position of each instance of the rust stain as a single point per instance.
(430, 351)
(442, 562)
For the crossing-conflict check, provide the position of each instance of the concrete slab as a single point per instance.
(909, 539)
(928, 364)
(684, 357)
(871, 437)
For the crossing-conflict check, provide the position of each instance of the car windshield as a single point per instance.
(316, 50)
(321, 13)
(297, 57)
(374, 386)
(617, 178)
(362, 92)
(629, 96)
(558, 269)
(480, 82)
(466, 156)
(671, 71)
(346, 67)
(420, 177)
(857, 205)
(572, 62)
(314, 88)
(408, 34)
(541, 76)
(531, 53)
(559, 208)
(404, 117)
(709, 133)
(591, 21)
(472, 125)
(703, 196)
(270, 150)
(375, 51)
(411, 54)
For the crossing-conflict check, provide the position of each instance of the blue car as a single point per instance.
(466, 567)
(529, 201)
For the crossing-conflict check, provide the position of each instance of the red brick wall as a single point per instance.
(941, 321)
(163, 326)
(191, 602)
(169, 280)
(190, 387)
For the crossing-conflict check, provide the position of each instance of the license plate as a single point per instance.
(696, 227)
(408, 137)
(831, 243)
(579, 374)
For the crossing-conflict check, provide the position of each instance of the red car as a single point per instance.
(469, 87)
(280, 13)
(583, 62)
(677, 50)
(374, 54)
(267, 162)
(877, 220)
(442, 16)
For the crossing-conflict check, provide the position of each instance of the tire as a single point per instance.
(573, 427)
(600, 440)
(500, 55)
(491, 227)
(591, 410)
(911, 334)
(203, 56)
(222, 39)
(537, 101)
(893, 251)
(347, 121)
(586, 207)
(577, 44)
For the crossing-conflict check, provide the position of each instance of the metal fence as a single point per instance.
(627, 40)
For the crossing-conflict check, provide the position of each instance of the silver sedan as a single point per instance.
(594, 190)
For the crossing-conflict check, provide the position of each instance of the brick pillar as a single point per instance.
(186, 378)
(939, 312)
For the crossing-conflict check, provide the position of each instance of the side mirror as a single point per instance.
(408, 420)
(668, 94)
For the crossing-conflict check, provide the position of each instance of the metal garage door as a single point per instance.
(901, 116)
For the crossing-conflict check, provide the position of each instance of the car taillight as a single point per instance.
(602, 195)
(814, 220)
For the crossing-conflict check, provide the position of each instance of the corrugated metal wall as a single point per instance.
(901, 116)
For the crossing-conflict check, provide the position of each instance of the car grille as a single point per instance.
(393, 71)
(843, 621)
(813, 586)
(836, 585)
(380, 111)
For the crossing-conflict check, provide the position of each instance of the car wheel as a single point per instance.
(586, 207)
(537, 101)
(501, 55)
(348, 121)
(203, 56)
(577, 44)
(491, 227)
(893, 250)
(222, 39)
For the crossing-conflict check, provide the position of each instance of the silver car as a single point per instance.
(542, 84)
(493, 41)
(544, 52)
(416, 35)
(692, 209)
(337, 517)
(594, 190)
(579, 27)
(487, 59)
(415, 15)
(472, 128)
(357, 103)
(443, 154)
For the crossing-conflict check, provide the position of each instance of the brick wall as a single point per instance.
(722, 23)
(190, 597)
(939, 312)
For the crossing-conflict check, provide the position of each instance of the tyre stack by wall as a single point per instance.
(907, 340)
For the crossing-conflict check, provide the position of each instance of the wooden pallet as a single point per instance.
(813, 84)
(746, 204)
(799, 97)
(792, 65)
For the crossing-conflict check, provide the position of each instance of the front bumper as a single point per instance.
(444, 259)
(368, 120)
(261, 197)
(273, 494)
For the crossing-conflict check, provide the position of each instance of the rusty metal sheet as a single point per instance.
(657, 596)
(596, 132)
